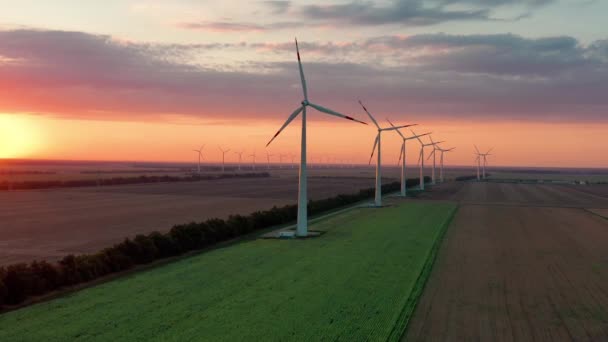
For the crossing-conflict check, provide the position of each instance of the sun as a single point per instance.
(19, 136)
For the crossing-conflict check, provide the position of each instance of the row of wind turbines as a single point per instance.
(289, 157)
(302, 216)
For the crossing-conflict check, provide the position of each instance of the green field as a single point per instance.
(357, 282)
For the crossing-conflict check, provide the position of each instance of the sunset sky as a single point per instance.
(151, 80)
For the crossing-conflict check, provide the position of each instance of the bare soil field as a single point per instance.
(520, 262)
(49, 224)
(543, 195)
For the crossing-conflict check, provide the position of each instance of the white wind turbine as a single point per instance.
(435, 148)
(268, 155)
(200, 155)
(441, 162)
(253, 158)
(223, 157)
(402, 157)
(302, 225)
(281, 156)
(240, 154)
(478, 160)
(421, 159)
(293, 157)
(378, 144)
(485, 161)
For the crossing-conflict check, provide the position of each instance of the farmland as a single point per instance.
(49, 224)
(334, 287)
(519, 262)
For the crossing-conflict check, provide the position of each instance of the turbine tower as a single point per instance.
(253, 156)
(378, 143)
(223, 157)
(240, 154)
(402, 157)
(293, 157)
(268, 155)
(302, 225)
(435, 148)
(441, 162)
(200, 155)
(421, 158)
(485, 161)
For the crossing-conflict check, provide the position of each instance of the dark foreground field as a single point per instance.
(519, 263)
(49, 224)
(357, 282)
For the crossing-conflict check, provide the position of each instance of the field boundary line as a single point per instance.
(594, 213)
(411, 303)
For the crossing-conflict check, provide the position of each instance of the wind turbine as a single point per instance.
(253, 156)
(281, 156)
(441, 162)
(435, 148)
(240, 154)
(478, 159)
(292, 156)
(302, 225)
(485, 161)
(268, 155)
(223, 157)
(402, 157)
(200, 154)
(378, 143)
(421, 158)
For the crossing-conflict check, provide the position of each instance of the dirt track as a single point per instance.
(519, 262)
(52, 223)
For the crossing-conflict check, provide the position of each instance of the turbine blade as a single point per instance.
(476, 149)
(373, 149)
(369, 114)
(420, 156)
(304, 89)
(401, 153)
(417, 137)
(290, 119)
(397, 127)
(398, 131)
(431, 154)
(490, 150)
(331, 112)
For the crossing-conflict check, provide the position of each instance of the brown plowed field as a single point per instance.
(520, 262)
(49, 224)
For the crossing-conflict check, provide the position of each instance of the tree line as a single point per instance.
(47, 184)
(21, 281)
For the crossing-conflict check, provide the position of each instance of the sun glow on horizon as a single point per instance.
(19, 136)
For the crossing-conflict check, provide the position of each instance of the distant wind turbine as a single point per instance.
(240, 154)
(421, 159)
(268, 155)
(441, 162)
(302, 222)
(200, 154)
(434, 155)
(253, 158)
(223, 158)
(378, 144)
(485, 161)
(402, 157)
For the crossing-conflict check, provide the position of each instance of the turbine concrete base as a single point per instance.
(289, 234)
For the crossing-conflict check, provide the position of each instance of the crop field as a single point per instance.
(359, 281)
(519, 262)
(48, 224)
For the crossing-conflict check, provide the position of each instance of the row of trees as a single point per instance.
(21, 281)
(47, 184)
